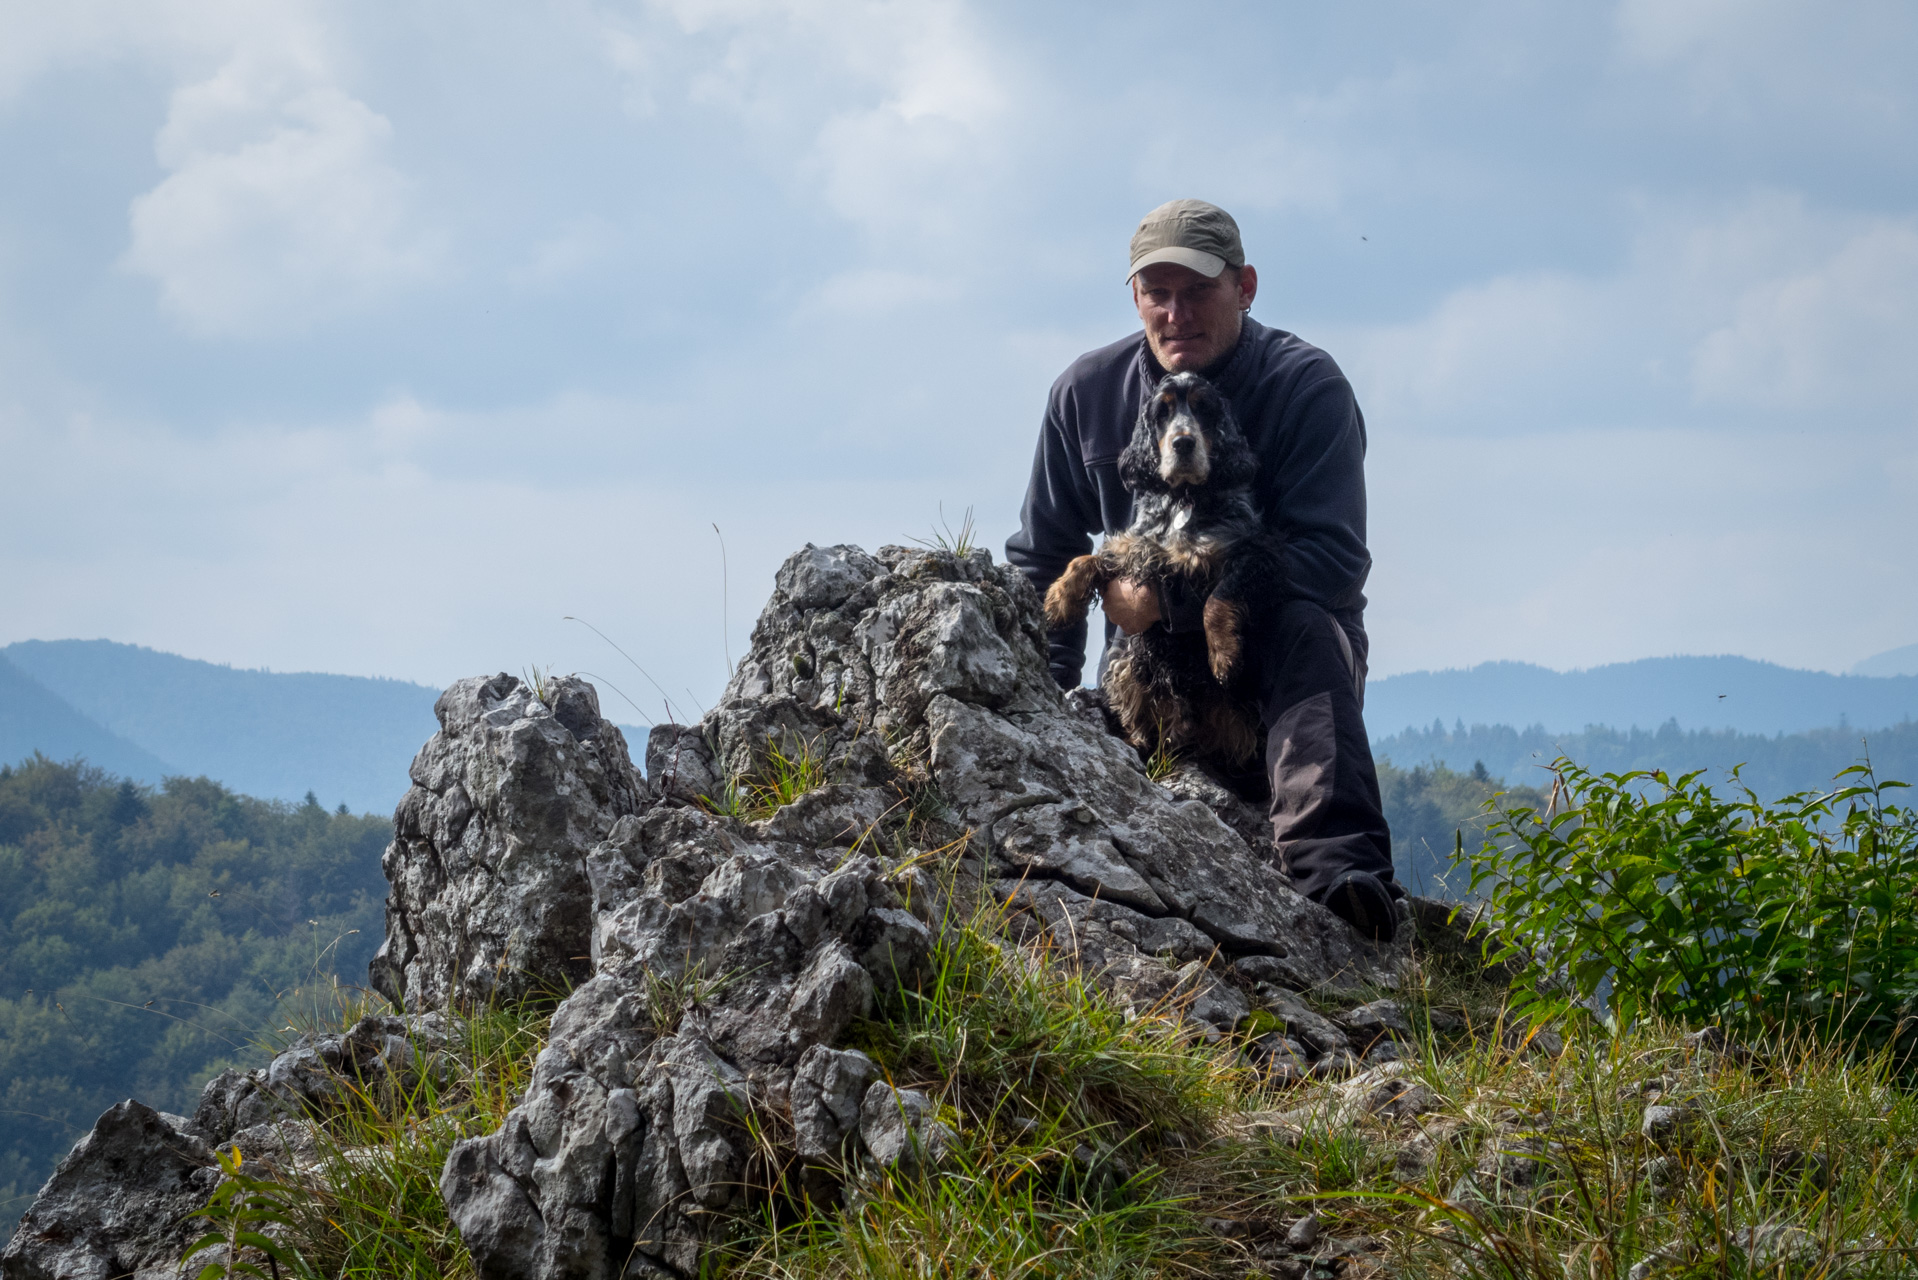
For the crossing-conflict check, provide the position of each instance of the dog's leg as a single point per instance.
(1224, 636)
(1126, 694)
(1066, 599)
(1232, 730)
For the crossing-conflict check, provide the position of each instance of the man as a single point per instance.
(1193, 289)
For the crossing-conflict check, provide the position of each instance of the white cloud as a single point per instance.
(894, 116)
(1769, 308)
(282, 206)
(582, 242)
(1837, 338)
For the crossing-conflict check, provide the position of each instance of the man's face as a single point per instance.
(1191, 320)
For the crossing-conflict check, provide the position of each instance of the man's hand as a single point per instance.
(1131, 606)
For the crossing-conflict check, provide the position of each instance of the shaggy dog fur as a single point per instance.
(1194, 524)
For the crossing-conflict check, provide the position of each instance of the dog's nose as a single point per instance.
(1184, 445)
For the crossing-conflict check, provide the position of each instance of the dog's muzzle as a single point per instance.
(1182, 457)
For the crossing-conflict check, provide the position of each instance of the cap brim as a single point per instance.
(1206, 264)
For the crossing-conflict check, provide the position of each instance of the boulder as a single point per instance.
(828, 1089)
(117, 1205)
(310, 1077)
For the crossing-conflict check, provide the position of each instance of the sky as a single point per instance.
(384, 338)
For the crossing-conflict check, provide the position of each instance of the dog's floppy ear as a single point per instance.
(1139, 464)
(1233, 463)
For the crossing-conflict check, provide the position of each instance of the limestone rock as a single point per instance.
(901, 1129)
(1370, 1023)
(714, 962)
(827, 1091)
(489, 896)
(944, 655)
(308, 1077)
(116, 1206)
(526, 1198)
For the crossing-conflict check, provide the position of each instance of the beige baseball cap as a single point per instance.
(1191, 233)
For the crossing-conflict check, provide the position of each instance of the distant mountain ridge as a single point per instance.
(1713, 693)
(1892, 662)
(34, 718)
(1773, 766)
(348, 739)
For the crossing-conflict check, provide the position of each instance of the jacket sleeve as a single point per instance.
(1056, 525)
(1315, 494)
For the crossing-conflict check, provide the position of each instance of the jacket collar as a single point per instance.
(1228, 375)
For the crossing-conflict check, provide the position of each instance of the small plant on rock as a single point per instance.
(789, 772)
(241, 1210)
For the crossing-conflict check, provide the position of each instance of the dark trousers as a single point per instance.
(1326, 815)
(1316, 768)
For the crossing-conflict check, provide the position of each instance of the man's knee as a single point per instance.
(1307, 653)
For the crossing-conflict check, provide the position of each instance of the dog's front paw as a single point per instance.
(1224, 643)
(1066, 599)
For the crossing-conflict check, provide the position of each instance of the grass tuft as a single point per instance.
(786, 775)
(368, 1205)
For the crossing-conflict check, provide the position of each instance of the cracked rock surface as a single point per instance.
(717, 953)
(489, 895)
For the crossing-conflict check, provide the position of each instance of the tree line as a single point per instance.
(151, 936)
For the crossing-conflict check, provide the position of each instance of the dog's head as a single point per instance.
(1186, 438)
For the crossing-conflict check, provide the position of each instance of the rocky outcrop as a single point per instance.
(731, 953)
(941, 658)
(489, 896)
(892, 737)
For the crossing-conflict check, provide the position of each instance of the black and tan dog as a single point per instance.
(1195, 535)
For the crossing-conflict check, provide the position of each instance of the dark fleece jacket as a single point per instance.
(1297, 412)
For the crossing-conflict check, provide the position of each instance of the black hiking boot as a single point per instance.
(1361, 900)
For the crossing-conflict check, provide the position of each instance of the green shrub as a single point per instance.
(1648, 895)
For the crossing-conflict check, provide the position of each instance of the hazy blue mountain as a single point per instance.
(34, 718)
(1699, 693)
(272, 734)
(1892, 662)
(1774, 765)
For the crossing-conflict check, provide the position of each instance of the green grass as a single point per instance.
(1093, 1144)
(370, 1206)
(1803, 1143)
(1001, 1031)
(1061, 1102)
(790, 771)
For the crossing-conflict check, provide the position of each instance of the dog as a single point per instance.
(1195, 529)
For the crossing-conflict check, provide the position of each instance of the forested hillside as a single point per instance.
(1428, 807)
(1773, 765)
(149, 936)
